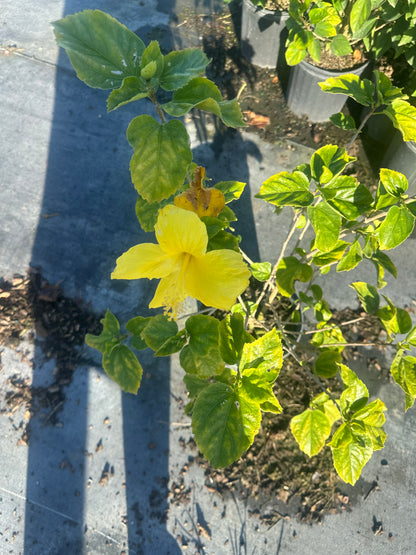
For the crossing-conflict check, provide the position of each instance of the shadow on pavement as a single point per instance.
(87, 220)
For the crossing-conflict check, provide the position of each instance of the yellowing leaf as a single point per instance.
(204, 202)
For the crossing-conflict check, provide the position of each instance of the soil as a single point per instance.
(261, 94)
(31, 307)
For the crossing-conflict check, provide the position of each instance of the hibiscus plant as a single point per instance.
(233, 350)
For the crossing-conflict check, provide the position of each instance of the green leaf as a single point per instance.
(194, 385)
(152, 64)
(136, 326)
(290, 269)
(327, 225)
(264, 356)
(147, 212)
(224, 240)
(381, 259)
(352, 258)
(324, 259)
(286, 189)
(224, 423)
(232, 337)
(403, 371)
(403, 116)
(343, 121)
(360, 12)
(326, 364)
(311, 429)
(202, 356)
(383, 198)
(204, 94)
(396, 227)
(261, 270)
(361, 90)
(231, 190)
(161, 156)
(368, 295)
(314, 50)
(131, 89)
(122, 366)
(328, 162)
(347, 197)
(340, 45)
(182, 66)
(109, 336)
(161, 335)
(102, 51)
(350, 451)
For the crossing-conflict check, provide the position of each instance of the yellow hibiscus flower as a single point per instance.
(183, 265)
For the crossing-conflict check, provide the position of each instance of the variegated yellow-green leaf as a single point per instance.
(350, 451)
(311, 429)
(403, 371)
(403, 116)
(361, 90)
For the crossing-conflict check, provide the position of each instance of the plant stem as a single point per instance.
(272, 277)
(364, 121)
(157, 106)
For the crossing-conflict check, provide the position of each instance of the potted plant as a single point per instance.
(263, 31)
(326, 39)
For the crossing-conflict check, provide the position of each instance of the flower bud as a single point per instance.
(149, 70)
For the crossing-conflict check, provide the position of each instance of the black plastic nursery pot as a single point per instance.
(306, 98)
(263, 35)
(401, 156)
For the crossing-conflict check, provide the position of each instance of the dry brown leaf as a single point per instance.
(256, 120)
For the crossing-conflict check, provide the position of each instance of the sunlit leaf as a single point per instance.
(361, 90)
(327, 225)
(396, 227)
(286, 189)
(311, 429)
(289, 270)
(350, 451)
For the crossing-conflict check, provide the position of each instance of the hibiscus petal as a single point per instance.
(144, 261)
(217, 278)
(178, 230)
(170, 293)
